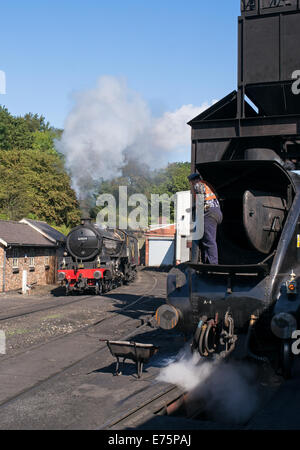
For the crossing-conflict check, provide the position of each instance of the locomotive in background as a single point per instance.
(97, 258)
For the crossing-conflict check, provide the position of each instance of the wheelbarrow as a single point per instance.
(139, 353)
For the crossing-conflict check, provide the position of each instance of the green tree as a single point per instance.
(43, 141)
(14, 132)
(172, 179)
(35, 122)
(140, 179)
(36, 183)
(26, 133)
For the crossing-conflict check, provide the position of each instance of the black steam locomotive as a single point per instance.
(254, 286)
(97, 258)
(248, 147)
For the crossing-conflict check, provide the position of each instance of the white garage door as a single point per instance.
(161, 252)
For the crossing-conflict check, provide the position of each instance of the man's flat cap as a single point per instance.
(194, 176)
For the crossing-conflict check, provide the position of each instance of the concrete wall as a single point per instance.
(39, 274)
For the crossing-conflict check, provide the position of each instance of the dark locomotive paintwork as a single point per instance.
(246, 281)
(244, 149)
(268, 34)
(98, 258)
(248, 286)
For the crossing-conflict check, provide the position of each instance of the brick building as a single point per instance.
(29, 247)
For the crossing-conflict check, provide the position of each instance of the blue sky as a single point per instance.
(172, 52)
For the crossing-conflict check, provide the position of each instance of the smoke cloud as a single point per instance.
(229, 391)
(111, 124)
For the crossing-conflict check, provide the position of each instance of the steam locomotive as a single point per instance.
(97, 258)
(247, 146)
(255, 285)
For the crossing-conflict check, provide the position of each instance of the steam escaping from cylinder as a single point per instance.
(111, 124)
(228, 390)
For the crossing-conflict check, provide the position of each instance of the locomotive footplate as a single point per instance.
(230, 270)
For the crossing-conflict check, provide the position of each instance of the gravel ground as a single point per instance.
(52, 379)
(62, 318)
(38, 327)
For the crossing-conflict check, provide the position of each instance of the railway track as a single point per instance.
(46, 308)
(118, 322)
(185, 410)
(106, 315)
(154, 401)
(22, 313)
(145, 411)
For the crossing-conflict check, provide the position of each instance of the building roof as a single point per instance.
(46, 230)
(21, 234)
(162, 230)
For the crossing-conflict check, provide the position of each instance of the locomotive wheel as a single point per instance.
(107, 286)
(286, 359)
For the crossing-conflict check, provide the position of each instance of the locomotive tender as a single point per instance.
(97, 258)
(248, 147)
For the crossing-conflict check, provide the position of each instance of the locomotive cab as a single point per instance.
(255, 198)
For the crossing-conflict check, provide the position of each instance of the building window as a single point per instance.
(31, 259)
(47, 261)
(15, 256)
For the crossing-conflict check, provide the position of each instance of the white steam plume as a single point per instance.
(110, 123)
(228, 390)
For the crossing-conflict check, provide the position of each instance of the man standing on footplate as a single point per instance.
(212, 218)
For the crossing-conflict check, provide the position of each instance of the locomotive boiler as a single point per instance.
(97, 258)
(247, 146)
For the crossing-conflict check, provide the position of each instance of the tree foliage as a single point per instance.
(33, 180)
(172, 179)
(26, 133)
(34, 184)
(140, 179)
